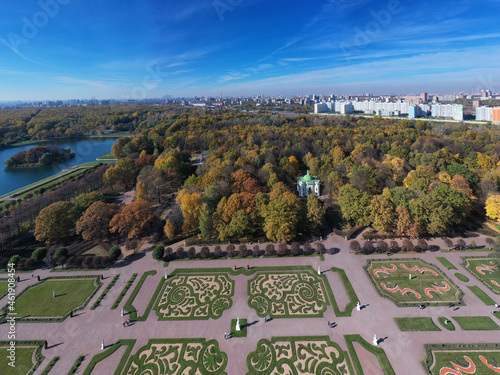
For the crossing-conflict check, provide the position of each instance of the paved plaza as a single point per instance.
(193, 312)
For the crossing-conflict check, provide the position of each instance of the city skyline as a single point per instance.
(68, 50)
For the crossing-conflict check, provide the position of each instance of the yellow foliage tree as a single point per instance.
(444, 177)
(493, 207)
(190, 207)
(140, 190)
(483, 161)
(169, 229)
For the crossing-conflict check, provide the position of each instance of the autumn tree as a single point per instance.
(122, 172)
(133, 219)
(315, 215)
(169, 229)
(190, 206)
(206, 224)
(354, 246)
(404, 221)
(55, 222)
(84, 201)
(94, 223)
(493, 207)
(381, 212)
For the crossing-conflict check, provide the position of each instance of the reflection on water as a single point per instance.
(86, 150)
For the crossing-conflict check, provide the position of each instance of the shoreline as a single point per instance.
(37, 141)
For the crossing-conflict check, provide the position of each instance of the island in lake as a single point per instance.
(39, 156)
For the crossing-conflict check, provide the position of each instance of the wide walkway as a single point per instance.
(82, 334)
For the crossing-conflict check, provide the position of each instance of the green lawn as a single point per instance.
(3, 287)
(53, 182)
(416, 324)
(39, 302)
(476, 323)
(444, 359)
(107, 156)
(481, 295)
(427, 284)
(461, 277)
(445, 262)
(449, 326)
(485, 269)
(23, 362)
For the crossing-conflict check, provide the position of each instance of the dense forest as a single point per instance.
(233, 176)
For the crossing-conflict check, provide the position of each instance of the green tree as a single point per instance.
(315, 214)
(363, 178)
(159, 252)
(84, 201)
(55, 222)
(206, 224)
(114, 253)
(61, 252)
(123, 172)
(14, 259)
(240, 225)
(280, 221)
(355, 205)
(39, 254)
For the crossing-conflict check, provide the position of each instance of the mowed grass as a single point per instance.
(416, 324)
(422, 288)
(39, 302)
(476, 323)
(447, 358)
(491, 275)
(4, 285)
(23, 362)
(445, 262)
(481, 295)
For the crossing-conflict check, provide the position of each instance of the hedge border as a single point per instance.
(299, 338)
(486, 299)
(129, 343)
(465, 265)
(76, 365)
(201, 340)
(104, 292)
(428, 362)
(97, 283)
(382, 358)
(124, 291)
(51, 364)
(37, 352)
(460, 296)
(351, 293)
(163, 284)
(131, 309)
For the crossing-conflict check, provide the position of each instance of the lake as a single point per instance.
(87, 149)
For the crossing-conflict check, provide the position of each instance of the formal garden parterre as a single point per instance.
(28, 356)
(410, 282)
(178, 357)
(448, 359)
(195, 296)
(298, 355)
(486, 269)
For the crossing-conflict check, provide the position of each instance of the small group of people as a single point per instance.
(126, 323)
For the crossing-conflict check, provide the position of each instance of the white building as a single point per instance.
(453, 111)
(308, 185)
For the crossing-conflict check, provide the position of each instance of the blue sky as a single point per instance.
(63, 49)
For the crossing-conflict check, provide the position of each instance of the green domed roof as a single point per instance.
(308, 177)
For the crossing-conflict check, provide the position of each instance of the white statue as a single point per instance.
(166, 275)
(238, 328)
(319, 271)
(122, 313)
(410, 276)
(358, 306)
(102, 345)
(375, 340)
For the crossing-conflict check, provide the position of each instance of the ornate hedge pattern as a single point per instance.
(287, 294)
(195, 296)
(305, 356)
(178, 357)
